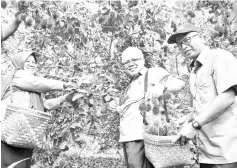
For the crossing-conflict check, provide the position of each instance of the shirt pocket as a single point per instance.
(206, 89)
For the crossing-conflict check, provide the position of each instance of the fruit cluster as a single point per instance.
(156, 118)
(155, 105)
(162, 129)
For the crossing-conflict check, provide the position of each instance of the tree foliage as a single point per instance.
(82, 42)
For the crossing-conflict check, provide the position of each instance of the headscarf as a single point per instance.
(18, 62)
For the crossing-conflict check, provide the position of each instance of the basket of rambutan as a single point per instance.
(159, 148)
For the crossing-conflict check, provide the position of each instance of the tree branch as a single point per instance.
(105, 49)
(57, 65)
(70, 55)
(111, 41)
(176, 64)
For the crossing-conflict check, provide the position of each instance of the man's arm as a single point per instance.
(186, 118)
(10, 29)
(225, 79)
(174, 84)
(217, 107)
(171, 83)
(214, 110)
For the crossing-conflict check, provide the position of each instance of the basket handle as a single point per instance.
(11, 88)
(164, 99)
(165, 105)
(145, 91)
(16, 163)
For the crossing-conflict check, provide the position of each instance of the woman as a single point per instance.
(27, 93)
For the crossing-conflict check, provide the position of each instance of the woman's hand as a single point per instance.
(70, 86)
(56, 103)
(73, 96)
(69, 97)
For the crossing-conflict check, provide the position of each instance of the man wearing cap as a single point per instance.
(213, 84)
(131, 120)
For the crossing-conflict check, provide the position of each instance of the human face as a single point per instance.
(190, 45)
(133, 62)
(30, 65)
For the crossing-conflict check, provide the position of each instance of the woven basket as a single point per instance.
(24, 127)
(160, 151)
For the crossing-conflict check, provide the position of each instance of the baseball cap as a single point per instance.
(185, 28)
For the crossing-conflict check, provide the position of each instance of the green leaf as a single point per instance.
(63, 134)
(64, 147)
(219, 28)
(119, 19)
(94, 16)
(77, 68)
(81, 110)
(76, 125)
(54, 157)
(97, 126)
(67, 166)
(232, 16)
(62, 163)
(81, 139)
(107, 29)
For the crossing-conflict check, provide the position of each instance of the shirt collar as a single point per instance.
(201, 58)
(140, 72)
(143, 71)
(203, 55)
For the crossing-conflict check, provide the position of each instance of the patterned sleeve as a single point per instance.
(29, 82)
(225, 71)
(162, 76)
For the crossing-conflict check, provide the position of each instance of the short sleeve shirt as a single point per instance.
(218, 72)
(131, 121)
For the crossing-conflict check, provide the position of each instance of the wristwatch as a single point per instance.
(196, 125)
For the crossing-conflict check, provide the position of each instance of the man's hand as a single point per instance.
(186, 133)
(180, 122)
(186, 118)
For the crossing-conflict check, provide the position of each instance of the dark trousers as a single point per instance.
(229, 165)
(134, 155)
(11, 154)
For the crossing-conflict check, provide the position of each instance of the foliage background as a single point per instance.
(82, 41)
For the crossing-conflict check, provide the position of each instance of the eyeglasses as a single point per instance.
(186, 41)
(134, 61)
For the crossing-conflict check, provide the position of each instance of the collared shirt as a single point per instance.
(131, 121)
(217, 73)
